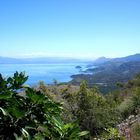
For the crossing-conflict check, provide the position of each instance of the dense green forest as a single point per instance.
(68, 112)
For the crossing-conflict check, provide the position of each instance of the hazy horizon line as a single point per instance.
(63, 57)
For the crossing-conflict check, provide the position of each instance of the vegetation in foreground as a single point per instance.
(68, 112)
(32, 115)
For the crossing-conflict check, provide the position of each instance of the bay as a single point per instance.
(43, 72)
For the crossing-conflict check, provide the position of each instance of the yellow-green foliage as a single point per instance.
(126, 107)
(94, 111)
(135, 131)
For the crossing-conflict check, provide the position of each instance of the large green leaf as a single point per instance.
(33, 115)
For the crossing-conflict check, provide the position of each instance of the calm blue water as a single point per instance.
(42, 72)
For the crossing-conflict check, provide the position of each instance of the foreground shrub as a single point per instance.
(136, 131)
(126, 108)
(112, 134)
(31, 115)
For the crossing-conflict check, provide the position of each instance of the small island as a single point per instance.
(78, 67)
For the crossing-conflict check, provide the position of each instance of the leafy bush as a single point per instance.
(92, 110)
(112, 134)
(136, 131)
(31, 115)
(136, 99)
(126, 108)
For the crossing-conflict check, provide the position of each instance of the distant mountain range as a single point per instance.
(135, 57)
(110, 71)
(45, 60)
(102, 60)
(99, 61)
(104, 72)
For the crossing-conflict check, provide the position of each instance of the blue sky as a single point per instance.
(72, 28)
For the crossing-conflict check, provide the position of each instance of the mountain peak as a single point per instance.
(101, 60)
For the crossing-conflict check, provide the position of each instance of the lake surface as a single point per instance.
(43, 72)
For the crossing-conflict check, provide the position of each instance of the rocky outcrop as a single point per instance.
(126, 125)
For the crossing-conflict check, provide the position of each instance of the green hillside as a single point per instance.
(108, 74)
